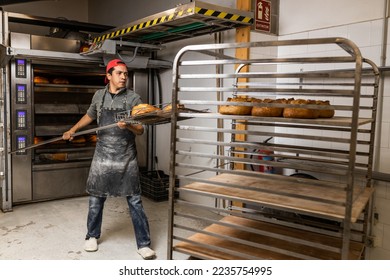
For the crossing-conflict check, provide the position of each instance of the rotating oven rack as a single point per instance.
(225, 210)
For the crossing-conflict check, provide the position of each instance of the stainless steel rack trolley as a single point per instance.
(225, 209)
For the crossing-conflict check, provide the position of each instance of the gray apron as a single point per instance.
(114, 168)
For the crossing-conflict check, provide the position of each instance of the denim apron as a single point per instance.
(114, 168)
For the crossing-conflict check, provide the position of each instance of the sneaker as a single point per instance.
(146, 253)
(91, 245)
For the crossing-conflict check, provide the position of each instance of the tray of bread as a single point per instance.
(287, 108)
(152, 115)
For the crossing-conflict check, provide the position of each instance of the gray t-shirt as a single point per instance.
(126, 99)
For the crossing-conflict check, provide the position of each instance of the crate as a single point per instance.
(155, 185)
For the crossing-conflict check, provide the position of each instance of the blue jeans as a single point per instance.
(137, 213)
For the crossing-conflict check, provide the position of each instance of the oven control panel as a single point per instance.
(21, 128)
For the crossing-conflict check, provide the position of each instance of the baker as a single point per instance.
(114, 168)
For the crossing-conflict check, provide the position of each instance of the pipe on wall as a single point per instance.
(381, 86)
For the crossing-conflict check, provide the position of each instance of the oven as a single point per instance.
(48, 95)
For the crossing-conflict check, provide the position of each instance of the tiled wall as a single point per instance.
(368, 37)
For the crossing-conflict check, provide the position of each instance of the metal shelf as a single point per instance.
(214, 155)
(184, 21)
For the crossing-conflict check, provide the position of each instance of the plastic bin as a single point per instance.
(155, 185)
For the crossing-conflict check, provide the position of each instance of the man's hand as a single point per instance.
(68, 135)
(137, 129)
(122, 125)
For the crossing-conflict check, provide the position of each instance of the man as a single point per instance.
(114, 168)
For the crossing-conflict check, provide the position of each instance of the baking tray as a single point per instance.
(157, 117)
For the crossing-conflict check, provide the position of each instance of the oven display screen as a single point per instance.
(21, 68)
(21, 142)
(21, 119)
(21, 94)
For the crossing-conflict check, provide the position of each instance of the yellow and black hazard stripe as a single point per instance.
(223, 15)
(142, 25)
(171, 17)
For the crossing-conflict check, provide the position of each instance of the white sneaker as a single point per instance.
(91, 245)
(146, 253)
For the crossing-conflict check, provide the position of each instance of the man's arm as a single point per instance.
(84, 121)
(137, 129)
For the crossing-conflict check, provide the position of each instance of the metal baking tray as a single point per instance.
(156, 117)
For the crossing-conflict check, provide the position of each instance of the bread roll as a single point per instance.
(79, 140)
(91, 138)
(41, 80)
(61, 81)
(325, 113)
(236, 109)
(143, 108)
(38, 140)
(268, 111)
(301, 113)
(168, 108)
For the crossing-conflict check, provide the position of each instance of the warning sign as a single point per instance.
(263, 15)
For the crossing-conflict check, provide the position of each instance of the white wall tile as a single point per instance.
(373, 53)
(384, 161)
(380, 189)
(386, 237)
(385, 135)
(386, 85)
(376, 32)
(338, 31)
(382, 206)
(359, 33)
(386, 109)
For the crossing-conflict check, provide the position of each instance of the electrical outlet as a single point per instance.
(373, 241)
(376, 218)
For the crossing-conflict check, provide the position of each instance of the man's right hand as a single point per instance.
(68, 135)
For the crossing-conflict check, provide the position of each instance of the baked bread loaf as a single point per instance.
(79, 140)
(261, 111)
(325, 113)
(301, 113)
(41, 80)
(60, 81)
(236, 109)
(143, 108)
(38, 139)
(168, 108)
(91, 138)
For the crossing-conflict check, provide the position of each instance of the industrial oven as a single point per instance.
(48, 94)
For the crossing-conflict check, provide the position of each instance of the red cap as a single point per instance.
(111, 64)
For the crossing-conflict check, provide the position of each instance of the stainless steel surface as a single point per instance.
(59, 183)
(5, 159)
(184, 21)
(22, 164)
(55, 44)
(338, 150)
(55, 22)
